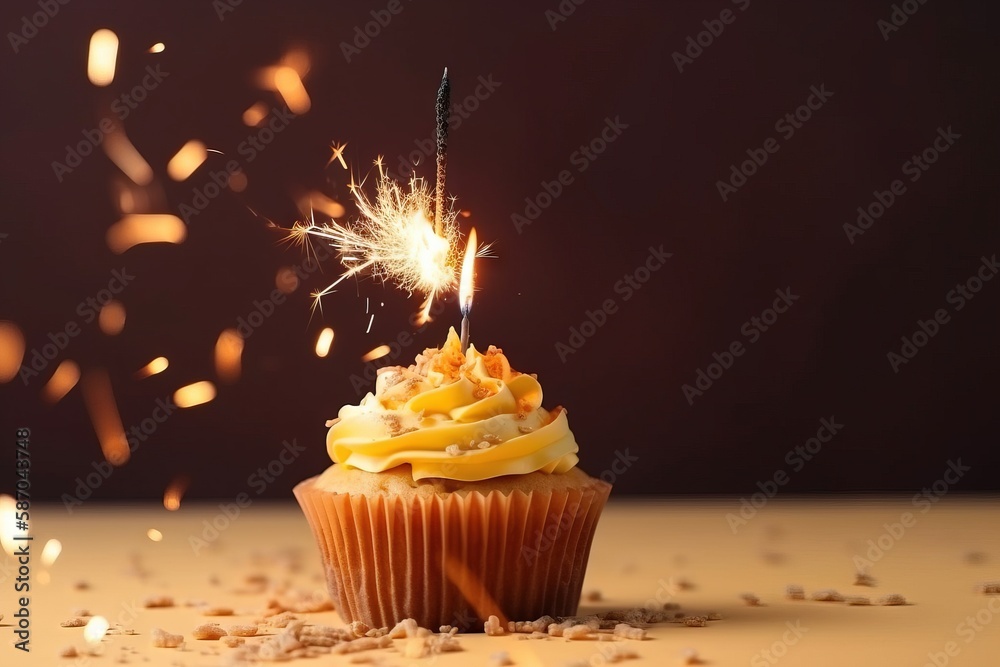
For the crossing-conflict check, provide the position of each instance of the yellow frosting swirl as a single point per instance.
(463, 417)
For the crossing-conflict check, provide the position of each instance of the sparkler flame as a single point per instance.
(393, 239)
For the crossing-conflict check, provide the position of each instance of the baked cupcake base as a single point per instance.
(450, 553)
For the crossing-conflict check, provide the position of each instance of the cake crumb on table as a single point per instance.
(827, 595)
(695, 621)
(158, 601)
(892, 600)
(492, 627)
(593, 596)
(407, 628)
(750, 599)
(75, 622)
(795, 592)
(68, 652)
(577, 632)
(864, 579)
(626, 631)
(232, 641)
(243, 630)
(217, 611)
(857, 600)
(988, 588)
(209, 631)
(163, 639)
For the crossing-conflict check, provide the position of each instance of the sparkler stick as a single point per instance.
(443, 103)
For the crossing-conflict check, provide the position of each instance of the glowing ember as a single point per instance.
(8, 526)
(51, 551)
(377, 353)
(11, 350)
(157, 365)
(238, 181)
(285, 280)
(467, 285)
(291, 89)
(157, 48)
(100, 401)
(123, 153)
(228, 356)
(324, 342)
(318, 202)
(65, 378)
(95, 630)
(186, 160)
(154, 535)
(194, 394)
(394, 239)
(255, 114)
(137, 228)
(175, 492)
(112, 318)
(103, 54)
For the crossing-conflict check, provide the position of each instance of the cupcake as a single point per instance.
(453, 496)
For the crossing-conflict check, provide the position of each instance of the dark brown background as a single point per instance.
(654, 185)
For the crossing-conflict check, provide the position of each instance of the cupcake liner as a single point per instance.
(453, 559)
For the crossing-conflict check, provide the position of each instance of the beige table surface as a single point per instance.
(666, 551)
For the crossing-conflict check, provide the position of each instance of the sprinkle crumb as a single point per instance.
(864, 579)
(158, 601)
(695, 621)
(243, 630)
(750, 599)
(209, 631)
(217, 611)
(163, 639)
(892, 600)
(73, 623)
(68, 652)
(492, 627)
(794, 592)
(989, 588)
(827, 595)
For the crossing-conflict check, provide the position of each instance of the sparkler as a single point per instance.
(406, 235)
(441, 109)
